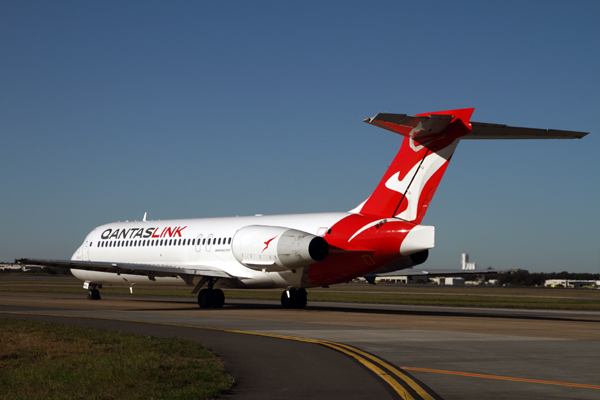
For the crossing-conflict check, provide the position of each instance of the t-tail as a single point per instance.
(411, 180)
(429, 142)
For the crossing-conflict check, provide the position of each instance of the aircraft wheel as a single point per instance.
(286, 302)
(219, 298)
(205, 298)
(296, 299)
(90, 294)
(97, 295)
(301, 298)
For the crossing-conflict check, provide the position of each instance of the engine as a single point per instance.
(276, 248)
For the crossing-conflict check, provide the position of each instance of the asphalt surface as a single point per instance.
(454, 353)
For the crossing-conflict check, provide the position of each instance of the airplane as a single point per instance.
(298, 251)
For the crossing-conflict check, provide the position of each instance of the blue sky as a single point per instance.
(109, 109)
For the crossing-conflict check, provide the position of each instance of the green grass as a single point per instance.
(456, 300)
(429, 295)
(51, 361)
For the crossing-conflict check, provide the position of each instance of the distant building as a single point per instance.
(567, 283)
(466, 265)
(442, 280)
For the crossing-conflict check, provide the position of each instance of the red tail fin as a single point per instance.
(410, 182)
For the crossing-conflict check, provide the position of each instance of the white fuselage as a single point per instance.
(191, 243)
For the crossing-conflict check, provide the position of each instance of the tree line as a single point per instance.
(522, 277)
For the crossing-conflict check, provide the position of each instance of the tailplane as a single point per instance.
(428, 145)
(411, 180)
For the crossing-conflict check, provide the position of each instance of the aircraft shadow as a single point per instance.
(235, 304)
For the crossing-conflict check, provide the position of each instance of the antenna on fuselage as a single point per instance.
(145, 217)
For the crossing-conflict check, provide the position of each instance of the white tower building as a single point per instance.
(466, 265)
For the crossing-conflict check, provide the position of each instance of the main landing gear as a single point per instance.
(293, 298)
(93, 292)
(211, 298)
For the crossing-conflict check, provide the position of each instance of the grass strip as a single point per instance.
(523, 298)
(432, 300)
(52, 361)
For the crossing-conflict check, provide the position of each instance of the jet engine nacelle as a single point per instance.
(276, 248)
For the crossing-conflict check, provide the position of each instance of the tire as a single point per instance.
(219, 298)
(287, 302)
(301, 299)
(205, 298)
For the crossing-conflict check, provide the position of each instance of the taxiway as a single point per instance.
(452, 353)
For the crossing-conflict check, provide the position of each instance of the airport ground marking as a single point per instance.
(355, 353)
(384, 375)
(504, 378)
(416, 387)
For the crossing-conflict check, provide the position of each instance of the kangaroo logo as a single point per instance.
(267, 243)
(416, 179)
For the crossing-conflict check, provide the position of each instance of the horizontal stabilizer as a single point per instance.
(409, 125)
(420, 127)
(482, 130)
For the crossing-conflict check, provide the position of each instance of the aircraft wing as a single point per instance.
(129, 268)
(436, 272)
(447, 272)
